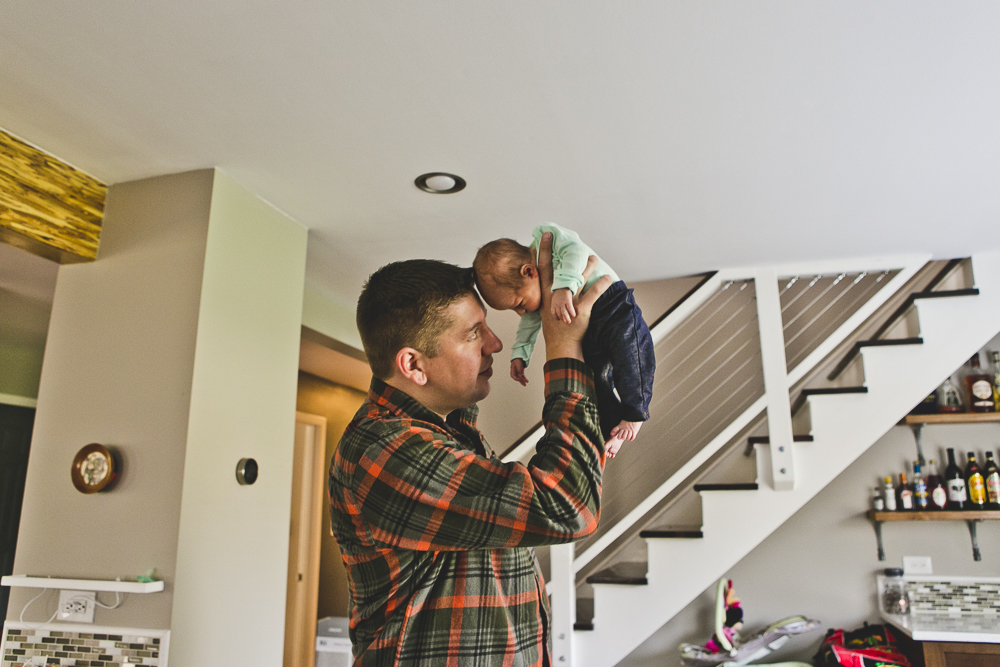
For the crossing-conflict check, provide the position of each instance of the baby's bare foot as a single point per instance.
(612, 445)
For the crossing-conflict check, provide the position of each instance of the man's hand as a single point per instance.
(517, 367)
(562, 305)
(564, 339)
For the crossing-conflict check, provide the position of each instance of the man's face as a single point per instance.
(460, 373)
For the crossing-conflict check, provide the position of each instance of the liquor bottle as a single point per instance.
(928, 406)
(920, 499)
(948, 400)
(890, 495)
(877, 503)
(904, 494)
(953, 477)
(979, 388)
(936, 488)
(975, 483)
(992, 475)
(995, 356)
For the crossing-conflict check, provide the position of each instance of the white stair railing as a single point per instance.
(776, 401)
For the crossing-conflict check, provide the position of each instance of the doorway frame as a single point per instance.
(304, 541)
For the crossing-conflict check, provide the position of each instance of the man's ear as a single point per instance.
(410, 364)
(529, 271)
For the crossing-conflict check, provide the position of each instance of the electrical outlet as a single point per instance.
(76, 606)
(917, 565)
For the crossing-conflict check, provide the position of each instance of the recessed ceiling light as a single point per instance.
(440, 183)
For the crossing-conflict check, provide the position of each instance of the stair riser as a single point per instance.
(937, 326)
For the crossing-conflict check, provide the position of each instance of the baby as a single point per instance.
(618, 346)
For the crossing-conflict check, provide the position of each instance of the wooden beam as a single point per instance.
(48, 207)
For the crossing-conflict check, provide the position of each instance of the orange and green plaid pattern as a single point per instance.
(435, 530)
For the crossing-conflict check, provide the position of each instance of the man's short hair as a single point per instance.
(403, 304)
(500, 262)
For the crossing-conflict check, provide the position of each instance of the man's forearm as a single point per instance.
(563, 350)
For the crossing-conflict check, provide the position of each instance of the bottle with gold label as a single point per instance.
(979, 388)
(975, 483)
(995, 356)
(992, 476)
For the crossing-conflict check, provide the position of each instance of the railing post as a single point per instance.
(563, 603)
(772, 353)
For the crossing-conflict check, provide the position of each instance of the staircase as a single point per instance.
(834, 426)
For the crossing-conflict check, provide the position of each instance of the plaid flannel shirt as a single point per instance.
(435, 529)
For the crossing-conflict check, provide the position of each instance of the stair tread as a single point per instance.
(627, 573)
(656, 533)
(823, 391)
(735, 486)
(884, 342)
(617, 580)
(972, 291)
(765, 439)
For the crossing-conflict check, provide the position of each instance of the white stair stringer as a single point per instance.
(843, 427)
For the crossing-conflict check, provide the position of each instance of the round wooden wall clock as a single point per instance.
(94, 468)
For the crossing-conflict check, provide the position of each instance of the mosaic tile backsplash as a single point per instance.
(952, 597)
(80, 649)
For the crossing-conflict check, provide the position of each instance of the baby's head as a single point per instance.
(507, 276)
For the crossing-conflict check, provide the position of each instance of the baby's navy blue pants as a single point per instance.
(619, 349)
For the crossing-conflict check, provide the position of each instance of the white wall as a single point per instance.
(821, 562)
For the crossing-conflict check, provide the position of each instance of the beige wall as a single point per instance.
(118, 371)
(338, 404)
(27, 283)
(179, 348)
(821, 562)
(21, 368)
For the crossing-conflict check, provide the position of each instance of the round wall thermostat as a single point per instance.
(246, 471)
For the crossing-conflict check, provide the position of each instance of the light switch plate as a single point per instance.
(917, 565)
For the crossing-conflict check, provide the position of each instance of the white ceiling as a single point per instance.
(675, 136)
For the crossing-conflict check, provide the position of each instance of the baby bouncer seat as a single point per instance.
(727, 648)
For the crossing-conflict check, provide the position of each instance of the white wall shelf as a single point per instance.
(24, 581)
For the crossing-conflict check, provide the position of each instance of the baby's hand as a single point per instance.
(517, 367)
(562, 306)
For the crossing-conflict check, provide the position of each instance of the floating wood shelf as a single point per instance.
(972, 515)
(24, 581)
(971, 518)
(953, 418)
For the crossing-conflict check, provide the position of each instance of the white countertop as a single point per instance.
(948, 628)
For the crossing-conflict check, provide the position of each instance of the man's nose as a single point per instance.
(493, 344)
